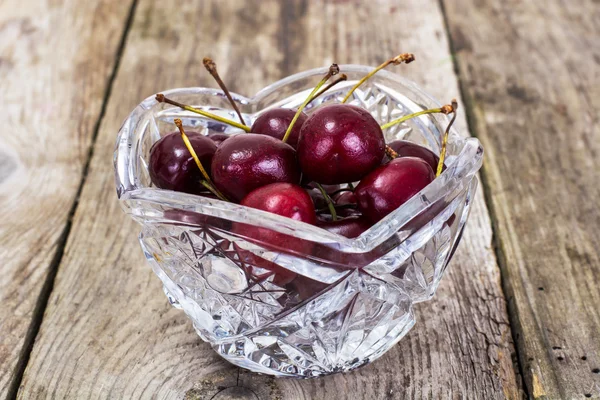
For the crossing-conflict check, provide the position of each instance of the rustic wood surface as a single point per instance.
(56, 59)
(108, 331)
(530, 76)
(531, 73)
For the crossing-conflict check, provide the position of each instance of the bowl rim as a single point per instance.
(454, 179)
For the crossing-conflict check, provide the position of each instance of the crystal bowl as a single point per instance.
(321, 303)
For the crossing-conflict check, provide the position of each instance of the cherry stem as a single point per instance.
(447, 109)
(350, 186)
(162, 99)
(399, 59)
(190, 148)
(333, 70)
(440, 165)
(341, 78)
(211, 67)
(213, 190)
(391, 153)
(330, 204)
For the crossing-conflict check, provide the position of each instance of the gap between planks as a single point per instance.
(44, 296)
(487, 194)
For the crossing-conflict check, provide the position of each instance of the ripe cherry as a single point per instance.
(350, 227)
(172, 166)
(340, 143)
(282, 199)
(246, 162)
(346, 204)
(275, 122)
(404, 148)
(218, 137)
(391, 185)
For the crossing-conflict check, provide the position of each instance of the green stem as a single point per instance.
(329, 202)
(213, 190)
(333, 70)
(342, 78)
(407, 117)
(162, 99)
(402, 58)
(188, 145)
(440, 165)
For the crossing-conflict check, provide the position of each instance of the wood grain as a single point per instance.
(531, 73)
(56, 58)
(108, 331)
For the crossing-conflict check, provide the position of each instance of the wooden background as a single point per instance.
(82, 316)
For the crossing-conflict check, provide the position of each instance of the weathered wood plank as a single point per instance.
(531, 72)
(56, 58)
(108, 331)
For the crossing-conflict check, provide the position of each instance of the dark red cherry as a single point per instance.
(275, 123)
(218, 137)
(391, 185)
(317, 198)
(340, 143)
(344, 198)
(350, 227)
(172, 166)
(282, 199)
(345, 203)
(404, 148)
(247, 161)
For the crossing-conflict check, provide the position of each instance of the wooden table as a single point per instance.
(81, 314)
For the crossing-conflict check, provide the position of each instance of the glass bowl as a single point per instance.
(311, 302)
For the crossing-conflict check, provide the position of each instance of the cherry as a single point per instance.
(275, 122)
(404, 148)
(340, 143)
(346, 204)
(345, 198)
(172, 166)
(317, 198)
(391, 185)
(350, 227)
(218, 137)
(246, 162)
(282, 199)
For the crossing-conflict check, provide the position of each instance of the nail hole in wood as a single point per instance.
(584, 358)
(587, 395)
(559, 358)
(596, 370)
(556, 348)
(541, 288)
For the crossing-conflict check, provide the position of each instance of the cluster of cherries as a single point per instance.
(304, 167)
